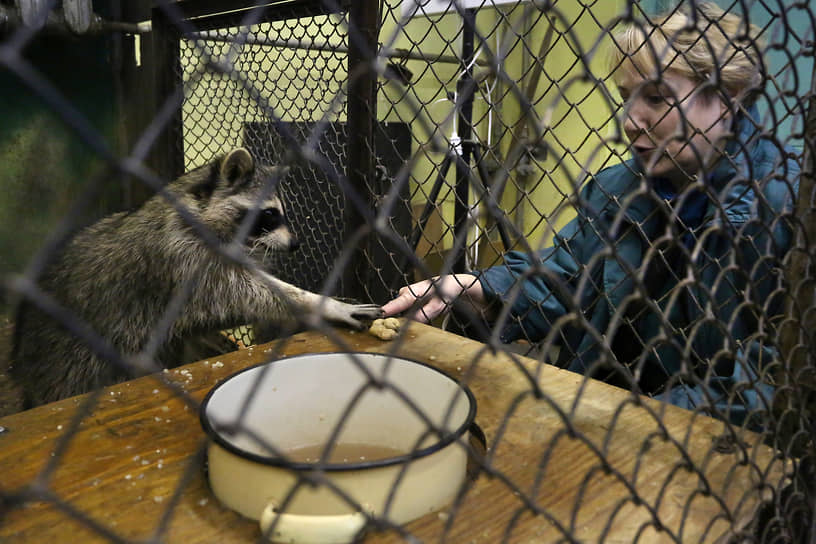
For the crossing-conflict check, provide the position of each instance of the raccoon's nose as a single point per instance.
(294, 244)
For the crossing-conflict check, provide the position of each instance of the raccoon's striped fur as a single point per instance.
(120, 274)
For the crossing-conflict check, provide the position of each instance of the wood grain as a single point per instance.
(580, 460)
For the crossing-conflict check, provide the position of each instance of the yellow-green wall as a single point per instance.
(571, 110)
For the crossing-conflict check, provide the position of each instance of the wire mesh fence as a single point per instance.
(603, 208)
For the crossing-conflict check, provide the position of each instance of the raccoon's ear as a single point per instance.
(236, 165)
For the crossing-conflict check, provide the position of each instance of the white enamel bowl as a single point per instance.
(257, 415)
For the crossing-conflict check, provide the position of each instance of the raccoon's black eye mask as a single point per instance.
(267, 220)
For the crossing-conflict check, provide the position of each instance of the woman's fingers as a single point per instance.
(430, 310)
(406, 298)
(434, 296)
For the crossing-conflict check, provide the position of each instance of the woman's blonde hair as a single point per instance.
(701, 43)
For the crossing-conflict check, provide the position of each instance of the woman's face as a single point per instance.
(674, 129)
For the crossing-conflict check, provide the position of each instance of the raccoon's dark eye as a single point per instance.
(268, 220)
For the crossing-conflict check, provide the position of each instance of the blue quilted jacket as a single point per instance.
(700, 312)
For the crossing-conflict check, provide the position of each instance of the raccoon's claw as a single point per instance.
(353, 315)
(365, 314)
(367, 311)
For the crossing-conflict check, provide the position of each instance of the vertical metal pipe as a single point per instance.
(795, 401)
(134, 89)
(167, 156)
(362, 115)
(464, 88)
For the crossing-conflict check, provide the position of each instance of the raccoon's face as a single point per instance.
(233, 203)
(268, 227)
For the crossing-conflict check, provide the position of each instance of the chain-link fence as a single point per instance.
(612, 197)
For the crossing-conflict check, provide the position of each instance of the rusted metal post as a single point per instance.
(464, 121)
(364, 26)
(167, 156)
(795, 403)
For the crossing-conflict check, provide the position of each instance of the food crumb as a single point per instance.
(385, 329)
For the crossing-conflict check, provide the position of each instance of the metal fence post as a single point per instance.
(167, 156)
(795, 404)
(362, 115)
(464, 120)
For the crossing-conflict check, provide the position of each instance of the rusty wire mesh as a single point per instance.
(491, 137)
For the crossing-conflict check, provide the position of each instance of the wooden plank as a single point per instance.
(553, 474)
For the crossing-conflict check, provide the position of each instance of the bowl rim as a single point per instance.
(216, 437)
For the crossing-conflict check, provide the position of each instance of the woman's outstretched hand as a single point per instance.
(428, 299)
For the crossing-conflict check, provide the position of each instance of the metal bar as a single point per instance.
(136, 89)
(405, 264)
(797, 340)
(430, 204)
(464, 120)
(362, 116)
(399, 54)
(167, 157)
(492, 206)
(56, 24)
(213, 14)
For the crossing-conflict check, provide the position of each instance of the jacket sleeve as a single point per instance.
(537, 287)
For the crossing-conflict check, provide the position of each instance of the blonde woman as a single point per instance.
(665, 281)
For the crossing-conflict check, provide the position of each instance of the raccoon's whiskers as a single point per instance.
(255, 245)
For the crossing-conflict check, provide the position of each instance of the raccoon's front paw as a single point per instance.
(354, 315)
(365, 314)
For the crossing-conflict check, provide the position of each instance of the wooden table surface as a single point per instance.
(581, 460)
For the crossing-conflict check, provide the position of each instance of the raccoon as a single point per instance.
(120, 275)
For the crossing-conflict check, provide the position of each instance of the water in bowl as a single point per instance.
(343, 453)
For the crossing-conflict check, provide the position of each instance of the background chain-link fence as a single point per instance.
(453, 137)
